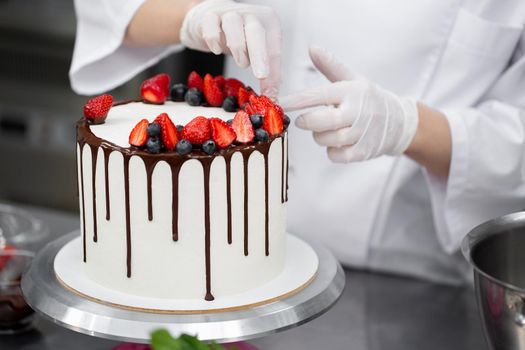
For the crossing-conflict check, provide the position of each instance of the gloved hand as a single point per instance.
(358, 120)
(250, 33)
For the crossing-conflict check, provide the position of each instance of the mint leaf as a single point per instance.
(162, 340)
(216, 346)
(193, 342)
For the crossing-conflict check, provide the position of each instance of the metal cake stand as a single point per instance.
(45, 294)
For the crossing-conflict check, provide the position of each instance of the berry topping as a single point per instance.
(156, 89)
(96, 109)
(153, 145)
(179, 128)
(261, 135)
(231, 87)
(243, 96)
(286, 120)
(212, 91)
(229, 122)
(249, 109)
(153, 129)
(261, 104)
(169, 134)
(243, 127)
(230, 104)
(184, 147)
(194, 97)
(178, 91)
(257, 120)
(197, 131)
(209, 147)
(195, 81)
(219, 79)
(139, 135)
(273, 122)
(222, 133)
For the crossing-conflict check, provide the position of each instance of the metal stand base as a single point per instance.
(45, 294)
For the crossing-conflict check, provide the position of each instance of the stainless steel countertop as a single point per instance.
(375, 312)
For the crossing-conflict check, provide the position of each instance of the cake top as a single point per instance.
(186, 118)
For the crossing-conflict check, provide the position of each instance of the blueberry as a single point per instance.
(209, 147)
(178, 91)
(194, 97)
(153, 145)
(286, 120)
(229, 122)
(257, 120)
(230, 104)
(179, 128)
(183, 147)
(153, 129)
(261, 135)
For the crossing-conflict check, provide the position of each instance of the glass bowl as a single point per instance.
(20, 229)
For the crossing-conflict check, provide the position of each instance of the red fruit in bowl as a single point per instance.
(139, 135)
(273, 122)
(231, 87)
(96, 109)
(221, 133)
(6, 256)
(197, 131)
(168, 132)
(243, 127)
(195, 81)
(212, 91)
(156, 89)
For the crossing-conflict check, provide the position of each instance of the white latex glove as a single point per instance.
(250, 33)
(358, 120)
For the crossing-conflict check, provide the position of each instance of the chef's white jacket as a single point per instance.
(464, 57)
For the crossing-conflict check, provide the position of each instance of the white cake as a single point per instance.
(171, 226)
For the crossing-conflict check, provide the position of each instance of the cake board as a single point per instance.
(49, 296)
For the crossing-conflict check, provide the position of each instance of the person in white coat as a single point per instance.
(424, 106)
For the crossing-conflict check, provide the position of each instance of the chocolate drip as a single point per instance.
(107, 152)
(128, 219)
(266, 211)
(175, 161)
(94, 154)
(175, 169)
(81, 146)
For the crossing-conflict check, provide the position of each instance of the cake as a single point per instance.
(182, 192)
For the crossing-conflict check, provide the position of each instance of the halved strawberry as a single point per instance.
(168, 132)
(96, 109)
(219, 79)
(156, 89)
(231, 87)
(197, 131)
(243, 95)
(221, 133)
(243, 127)
(139, 135)
(261, 104)
(273, 122)
(195, 81)
(6, 255)
(249, 109)
(212, 92)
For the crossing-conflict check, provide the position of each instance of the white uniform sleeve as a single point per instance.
(487, 174)
(101, 61)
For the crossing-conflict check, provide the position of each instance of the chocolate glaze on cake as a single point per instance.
(175, 161)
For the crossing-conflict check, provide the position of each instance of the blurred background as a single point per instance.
(38, 109)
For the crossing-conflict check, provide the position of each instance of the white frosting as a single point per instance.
(163, 268)
(121, 119)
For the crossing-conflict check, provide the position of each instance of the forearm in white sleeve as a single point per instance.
(101, 61)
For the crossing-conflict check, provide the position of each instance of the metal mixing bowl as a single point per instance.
(496, 250)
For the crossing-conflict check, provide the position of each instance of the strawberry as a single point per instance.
(249, 109)
(231, 87)
(195, 81)
(139, 135)
(168, 132)
(156, 89)
(197, 131)
(6, 255)
(261, 104)
(212, 92)
(273, 122)
(219, 79)
(221, 133)
(96, 109)
(243, 127)
(243, 96)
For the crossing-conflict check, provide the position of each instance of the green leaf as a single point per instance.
(162, 340)
(216, 346)
(193, 342)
